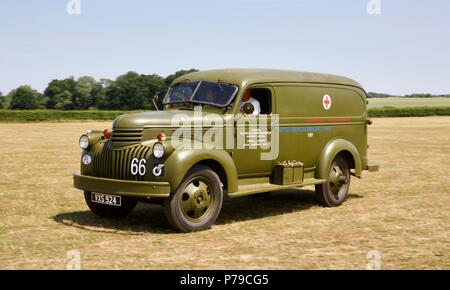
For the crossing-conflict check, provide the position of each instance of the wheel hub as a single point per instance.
(196, 200)
(337, 179)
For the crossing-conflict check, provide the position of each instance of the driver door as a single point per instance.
(253, 136)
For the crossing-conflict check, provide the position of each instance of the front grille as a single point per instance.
(116, 164)
(126, 136)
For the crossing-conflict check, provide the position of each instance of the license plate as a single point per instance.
(107, 199)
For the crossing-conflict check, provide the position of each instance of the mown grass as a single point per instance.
(99, 115)
(402, 211)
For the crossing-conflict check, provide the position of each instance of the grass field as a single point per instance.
(408, 102)
(403, 211)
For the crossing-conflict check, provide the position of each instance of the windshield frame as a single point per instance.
(191, 98)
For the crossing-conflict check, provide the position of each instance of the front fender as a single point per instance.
(331, 150)
(181, 160)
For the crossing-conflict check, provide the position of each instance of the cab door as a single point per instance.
(253, 136)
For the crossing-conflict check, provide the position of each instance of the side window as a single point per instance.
(260, 97)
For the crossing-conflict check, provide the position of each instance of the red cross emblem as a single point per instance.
(326, 102)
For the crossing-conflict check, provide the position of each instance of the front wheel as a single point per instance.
(110, 211)
(335, 191)
(197, 202)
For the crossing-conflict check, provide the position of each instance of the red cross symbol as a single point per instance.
(326, 102)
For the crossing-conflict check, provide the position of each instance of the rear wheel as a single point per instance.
(110, 211)
(197, 202)
(335, 191)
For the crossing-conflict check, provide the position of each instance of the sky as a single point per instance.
(400, 47)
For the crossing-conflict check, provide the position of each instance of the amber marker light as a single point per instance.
(107, 133)
(161, 136)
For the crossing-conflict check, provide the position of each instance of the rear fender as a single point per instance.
(331, 150)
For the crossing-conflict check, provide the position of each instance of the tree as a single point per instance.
(170, 78)
(4, 101)
(132, 91)
(101, 101)
(85, 92)
(24, 98)
(377, 95)
(64, 101)
(59, 94)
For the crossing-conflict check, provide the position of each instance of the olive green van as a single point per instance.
(224, 134)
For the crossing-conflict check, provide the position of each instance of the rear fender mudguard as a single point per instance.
(331, 150)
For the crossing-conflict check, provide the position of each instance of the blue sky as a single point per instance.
(403, 50)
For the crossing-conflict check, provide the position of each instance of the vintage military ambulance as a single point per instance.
(209, 143)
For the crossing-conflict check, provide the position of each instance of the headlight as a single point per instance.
(84, 142)
(158, 150)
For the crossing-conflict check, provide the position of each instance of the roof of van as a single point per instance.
(244, 77)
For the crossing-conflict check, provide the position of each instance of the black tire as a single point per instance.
(197, 202)
(110, 211)
(335, 191)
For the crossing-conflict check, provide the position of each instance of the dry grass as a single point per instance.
(403, 211)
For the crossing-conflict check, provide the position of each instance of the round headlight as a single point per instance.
(158, 150)
(84, 142)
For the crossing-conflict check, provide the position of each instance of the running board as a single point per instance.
(254, 188)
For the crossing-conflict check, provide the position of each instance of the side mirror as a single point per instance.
(248, 108)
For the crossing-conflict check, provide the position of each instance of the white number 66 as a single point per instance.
(138, 166)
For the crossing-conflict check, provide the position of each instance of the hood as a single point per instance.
(161, 119)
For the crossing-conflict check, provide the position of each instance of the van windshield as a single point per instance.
(201, 92)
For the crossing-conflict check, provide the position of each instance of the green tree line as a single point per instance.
(378, 95)
(131, 91)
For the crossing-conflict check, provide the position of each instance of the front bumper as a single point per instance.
(121, 187)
